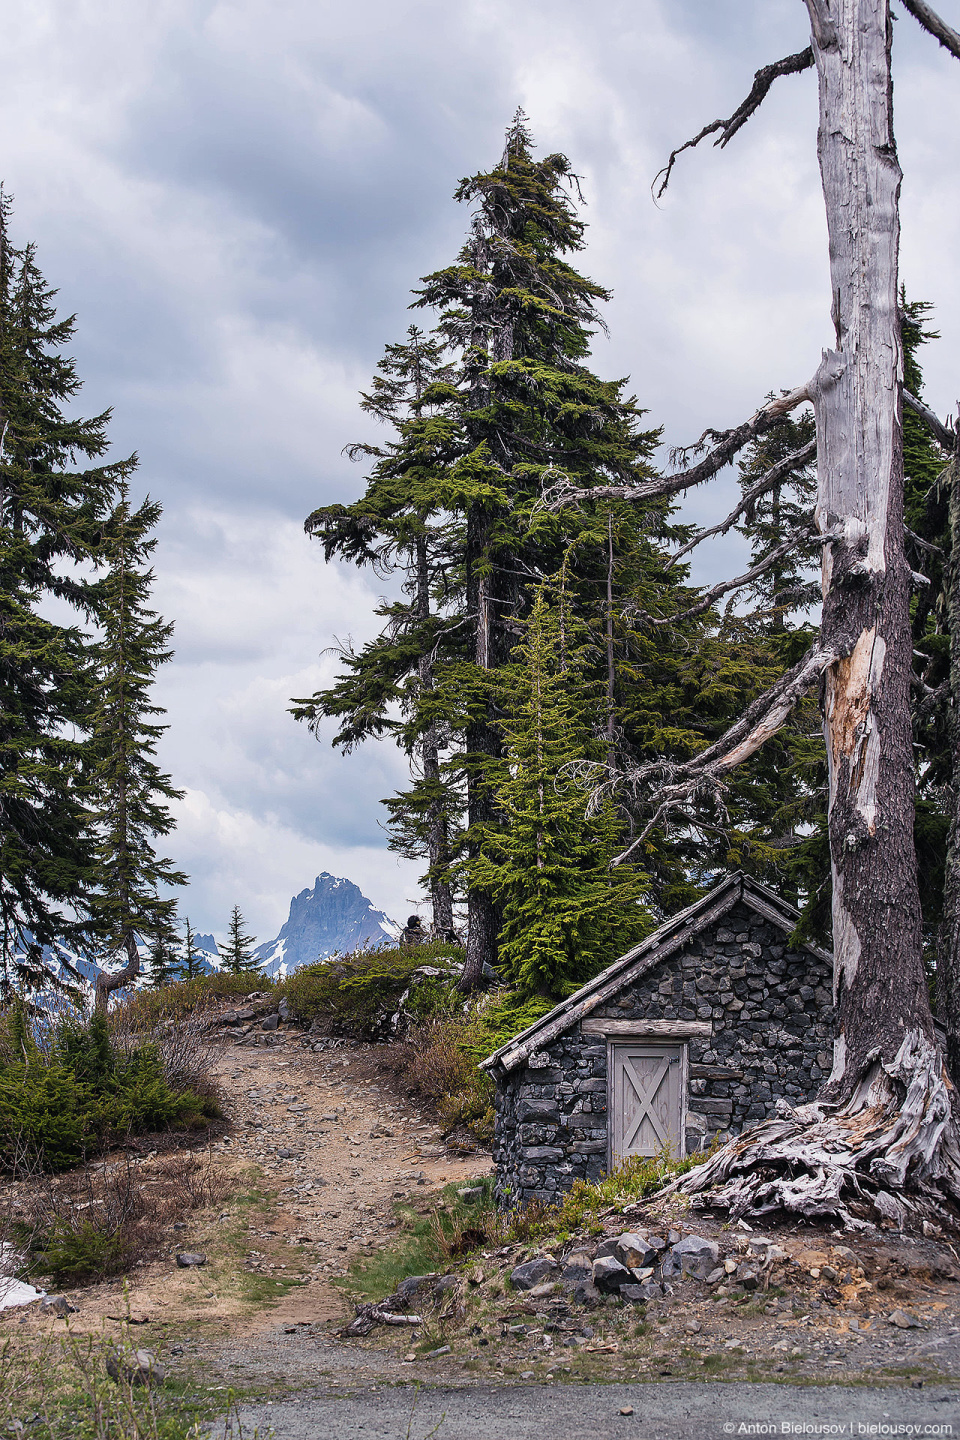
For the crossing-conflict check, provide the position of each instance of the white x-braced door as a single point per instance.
(646, 1094)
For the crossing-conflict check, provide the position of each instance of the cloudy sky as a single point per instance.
(236, 199)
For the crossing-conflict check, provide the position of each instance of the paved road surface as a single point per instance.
(672, 1411)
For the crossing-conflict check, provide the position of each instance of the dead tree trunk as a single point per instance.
(948, 947)
(878, 982)
(885, 1122)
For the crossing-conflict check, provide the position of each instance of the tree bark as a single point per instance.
(106, 984)
(948, 947)
(438, 831)
(878, 974)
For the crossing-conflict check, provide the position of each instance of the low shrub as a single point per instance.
(439, 1059)
(101, 1221)
(71, 1092)
(145, 1009)
(358, 994)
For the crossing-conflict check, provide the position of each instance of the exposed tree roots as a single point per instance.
(891, 1152)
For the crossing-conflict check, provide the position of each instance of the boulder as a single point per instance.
(903, 1320)
(634, 1252)
(609, 1274)
(640, 1294)
(137, 1368)
(270, 1022)
(697, 1256)
(57, 1305)
(409, 1287)
(283, 1010)
(534, 1272)
(190, 1259)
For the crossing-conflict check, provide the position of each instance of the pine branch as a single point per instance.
(767, 481)
(932, 23)
(762, 81)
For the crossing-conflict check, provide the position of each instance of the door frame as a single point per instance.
(659, 1039)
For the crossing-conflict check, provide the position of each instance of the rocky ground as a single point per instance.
(323, 1153)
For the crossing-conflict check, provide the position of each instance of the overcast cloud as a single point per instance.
(237, 198)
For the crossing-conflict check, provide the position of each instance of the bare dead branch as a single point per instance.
(758, 723)
(762, 81)
(729, 443)
(931, 22)
(796, 537)
(941, 433)
(767, 481)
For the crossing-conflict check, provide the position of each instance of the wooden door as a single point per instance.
(646, 1110)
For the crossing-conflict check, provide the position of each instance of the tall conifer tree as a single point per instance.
(131, 791)
(52, 516)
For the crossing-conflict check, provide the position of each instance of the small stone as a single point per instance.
(626, 1409)
(270, 1022)
(440, 1350)
(693, 1327)
(748, 1277)
(715, 1276)
(917, 1384)
(828, 1273)
(190, 1259)
(525, 1277)
(730, 1266)
(57, 1305)
(903, 1320)
(541, 1292)
(286, 1154)
(138, 1368)
(471, 1195)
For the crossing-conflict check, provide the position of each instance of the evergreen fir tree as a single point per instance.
(401, 523)
(191, 956)
(518, 320)
(237, 955)
(131, 792)
(566, 914)
(163, 962)
(51, 516)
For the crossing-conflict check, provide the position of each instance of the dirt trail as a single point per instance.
(340, 1148)
(322, 1149)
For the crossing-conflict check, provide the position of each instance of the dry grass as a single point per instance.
(103, 1220)
(433, 1064)
(62, 1388)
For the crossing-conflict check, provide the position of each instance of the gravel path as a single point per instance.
(676, 1411)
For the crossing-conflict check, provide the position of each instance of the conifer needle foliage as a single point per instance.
(566, 913)
(80, 795)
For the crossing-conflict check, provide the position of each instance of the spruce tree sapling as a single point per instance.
(237, 954)
(163, 963)
(566, 914)
(131, 791)
(191, 956)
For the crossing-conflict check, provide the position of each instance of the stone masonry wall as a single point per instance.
(772, 1036)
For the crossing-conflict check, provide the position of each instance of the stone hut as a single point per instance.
(698, 1030)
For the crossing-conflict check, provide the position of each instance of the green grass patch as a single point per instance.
(357, 992)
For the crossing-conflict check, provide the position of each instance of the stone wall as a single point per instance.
(770, 1008)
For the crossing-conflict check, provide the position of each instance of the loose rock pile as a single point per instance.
(640, 1266)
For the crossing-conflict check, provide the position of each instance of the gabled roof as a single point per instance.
(670, 937)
